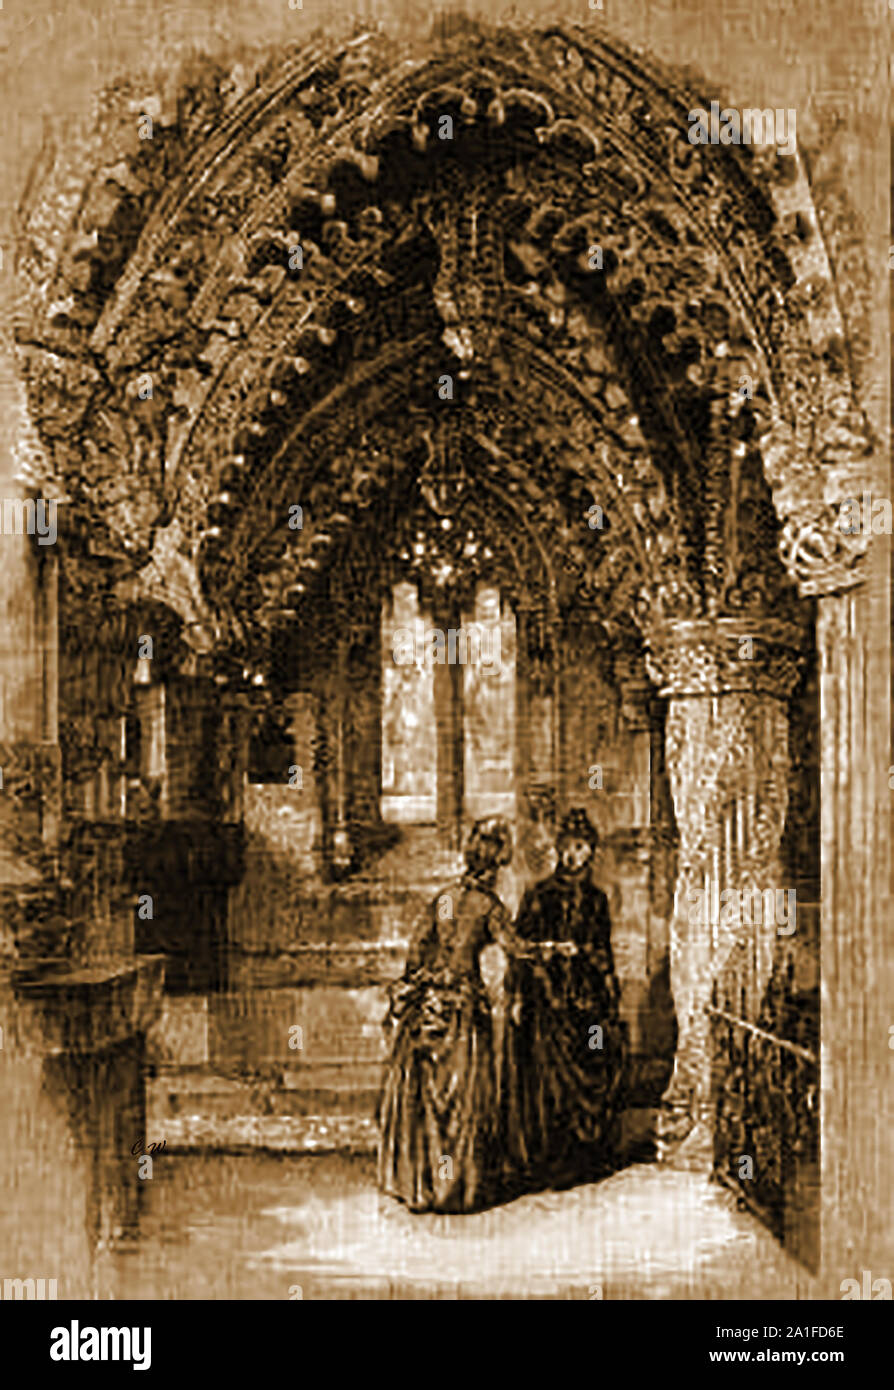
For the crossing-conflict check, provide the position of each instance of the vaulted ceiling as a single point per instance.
(363, 281)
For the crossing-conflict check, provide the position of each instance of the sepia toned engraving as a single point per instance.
(445, 758)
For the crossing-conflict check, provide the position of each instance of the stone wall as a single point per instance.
(283, 827)
(289, 931)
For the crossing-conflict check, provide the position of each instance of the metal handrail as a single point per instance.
(761, 1033)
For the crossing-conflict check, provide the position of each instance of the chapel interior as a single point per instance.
(435, 521)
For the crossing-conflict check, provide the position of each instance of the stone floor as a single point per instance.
(268, 1227)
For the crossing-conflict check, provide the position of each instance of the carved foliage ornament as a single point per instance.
(232, 332)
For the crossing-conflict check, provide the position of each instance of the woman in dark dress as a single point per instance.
(565, 1045)
(437, 1113)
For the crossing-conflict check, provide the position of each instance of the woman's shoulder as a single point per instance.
(459, 890)
(444, 903)
(600, 897)
(480, 901)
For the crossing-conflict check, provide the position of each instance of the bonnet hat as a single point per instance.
(577, 825)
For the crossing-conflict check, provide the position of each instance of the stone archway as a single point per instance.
(211, 373)
(713, 268)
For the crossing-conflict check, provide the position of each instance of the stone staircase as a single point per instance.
(223, 1076)
(197, 1108)
(227, 1069)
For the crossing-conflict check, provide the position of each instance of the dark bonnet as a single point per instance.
(578, 826)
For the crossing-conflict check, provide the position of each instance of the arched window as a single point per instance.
(448, 710)
(489, 709)
(409, 731)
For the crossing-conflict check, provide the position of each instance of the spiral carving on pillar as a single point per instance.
(727, 759)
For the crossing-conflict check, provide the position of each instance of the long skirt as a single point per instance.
(437, 1111)
(564, 1063)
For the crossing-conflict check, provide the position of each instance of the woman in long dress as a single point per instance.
(565, 1045)
(437, 1112)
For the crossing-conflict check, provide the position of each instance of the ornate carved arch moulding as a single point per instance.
(725, 239)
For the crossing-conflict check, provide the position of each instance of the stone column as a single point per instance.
(635, 690)
(537, 725)
(338, 849)
(70, 1040)
(29, 751)
(448, 702)
(857, 1063)
(726, 682)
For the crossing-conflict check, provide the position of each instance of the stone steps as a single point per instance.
(222, 1074)
(321, 1089)
(315, 1108)
(292, 1134)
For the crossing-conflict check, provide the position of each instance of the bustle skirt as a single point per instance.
(437, 1110)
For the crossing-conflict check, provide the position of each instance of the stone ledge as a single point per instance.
(280, 1134)
(326, 1133)
(356, 963)
(330, 1089)
(65, 1009)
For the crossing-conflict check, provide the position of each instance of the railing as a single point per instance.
(766, 1104)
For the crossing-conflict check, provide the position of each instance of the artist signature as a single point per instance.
(139, 1148)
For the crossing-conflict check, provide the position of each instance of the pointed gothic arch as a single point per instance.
(169, 328)
(166, 265)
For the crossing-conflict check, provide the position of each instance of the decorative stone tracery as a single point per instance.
(713, 271)
(720, 456)
(727, 684)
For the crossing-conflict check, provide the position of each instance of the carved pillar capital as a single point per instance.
(819, 556)
(715, 656)
(813, 469)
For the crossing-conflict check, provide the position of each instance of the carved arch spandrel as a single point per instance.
(726, 239)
